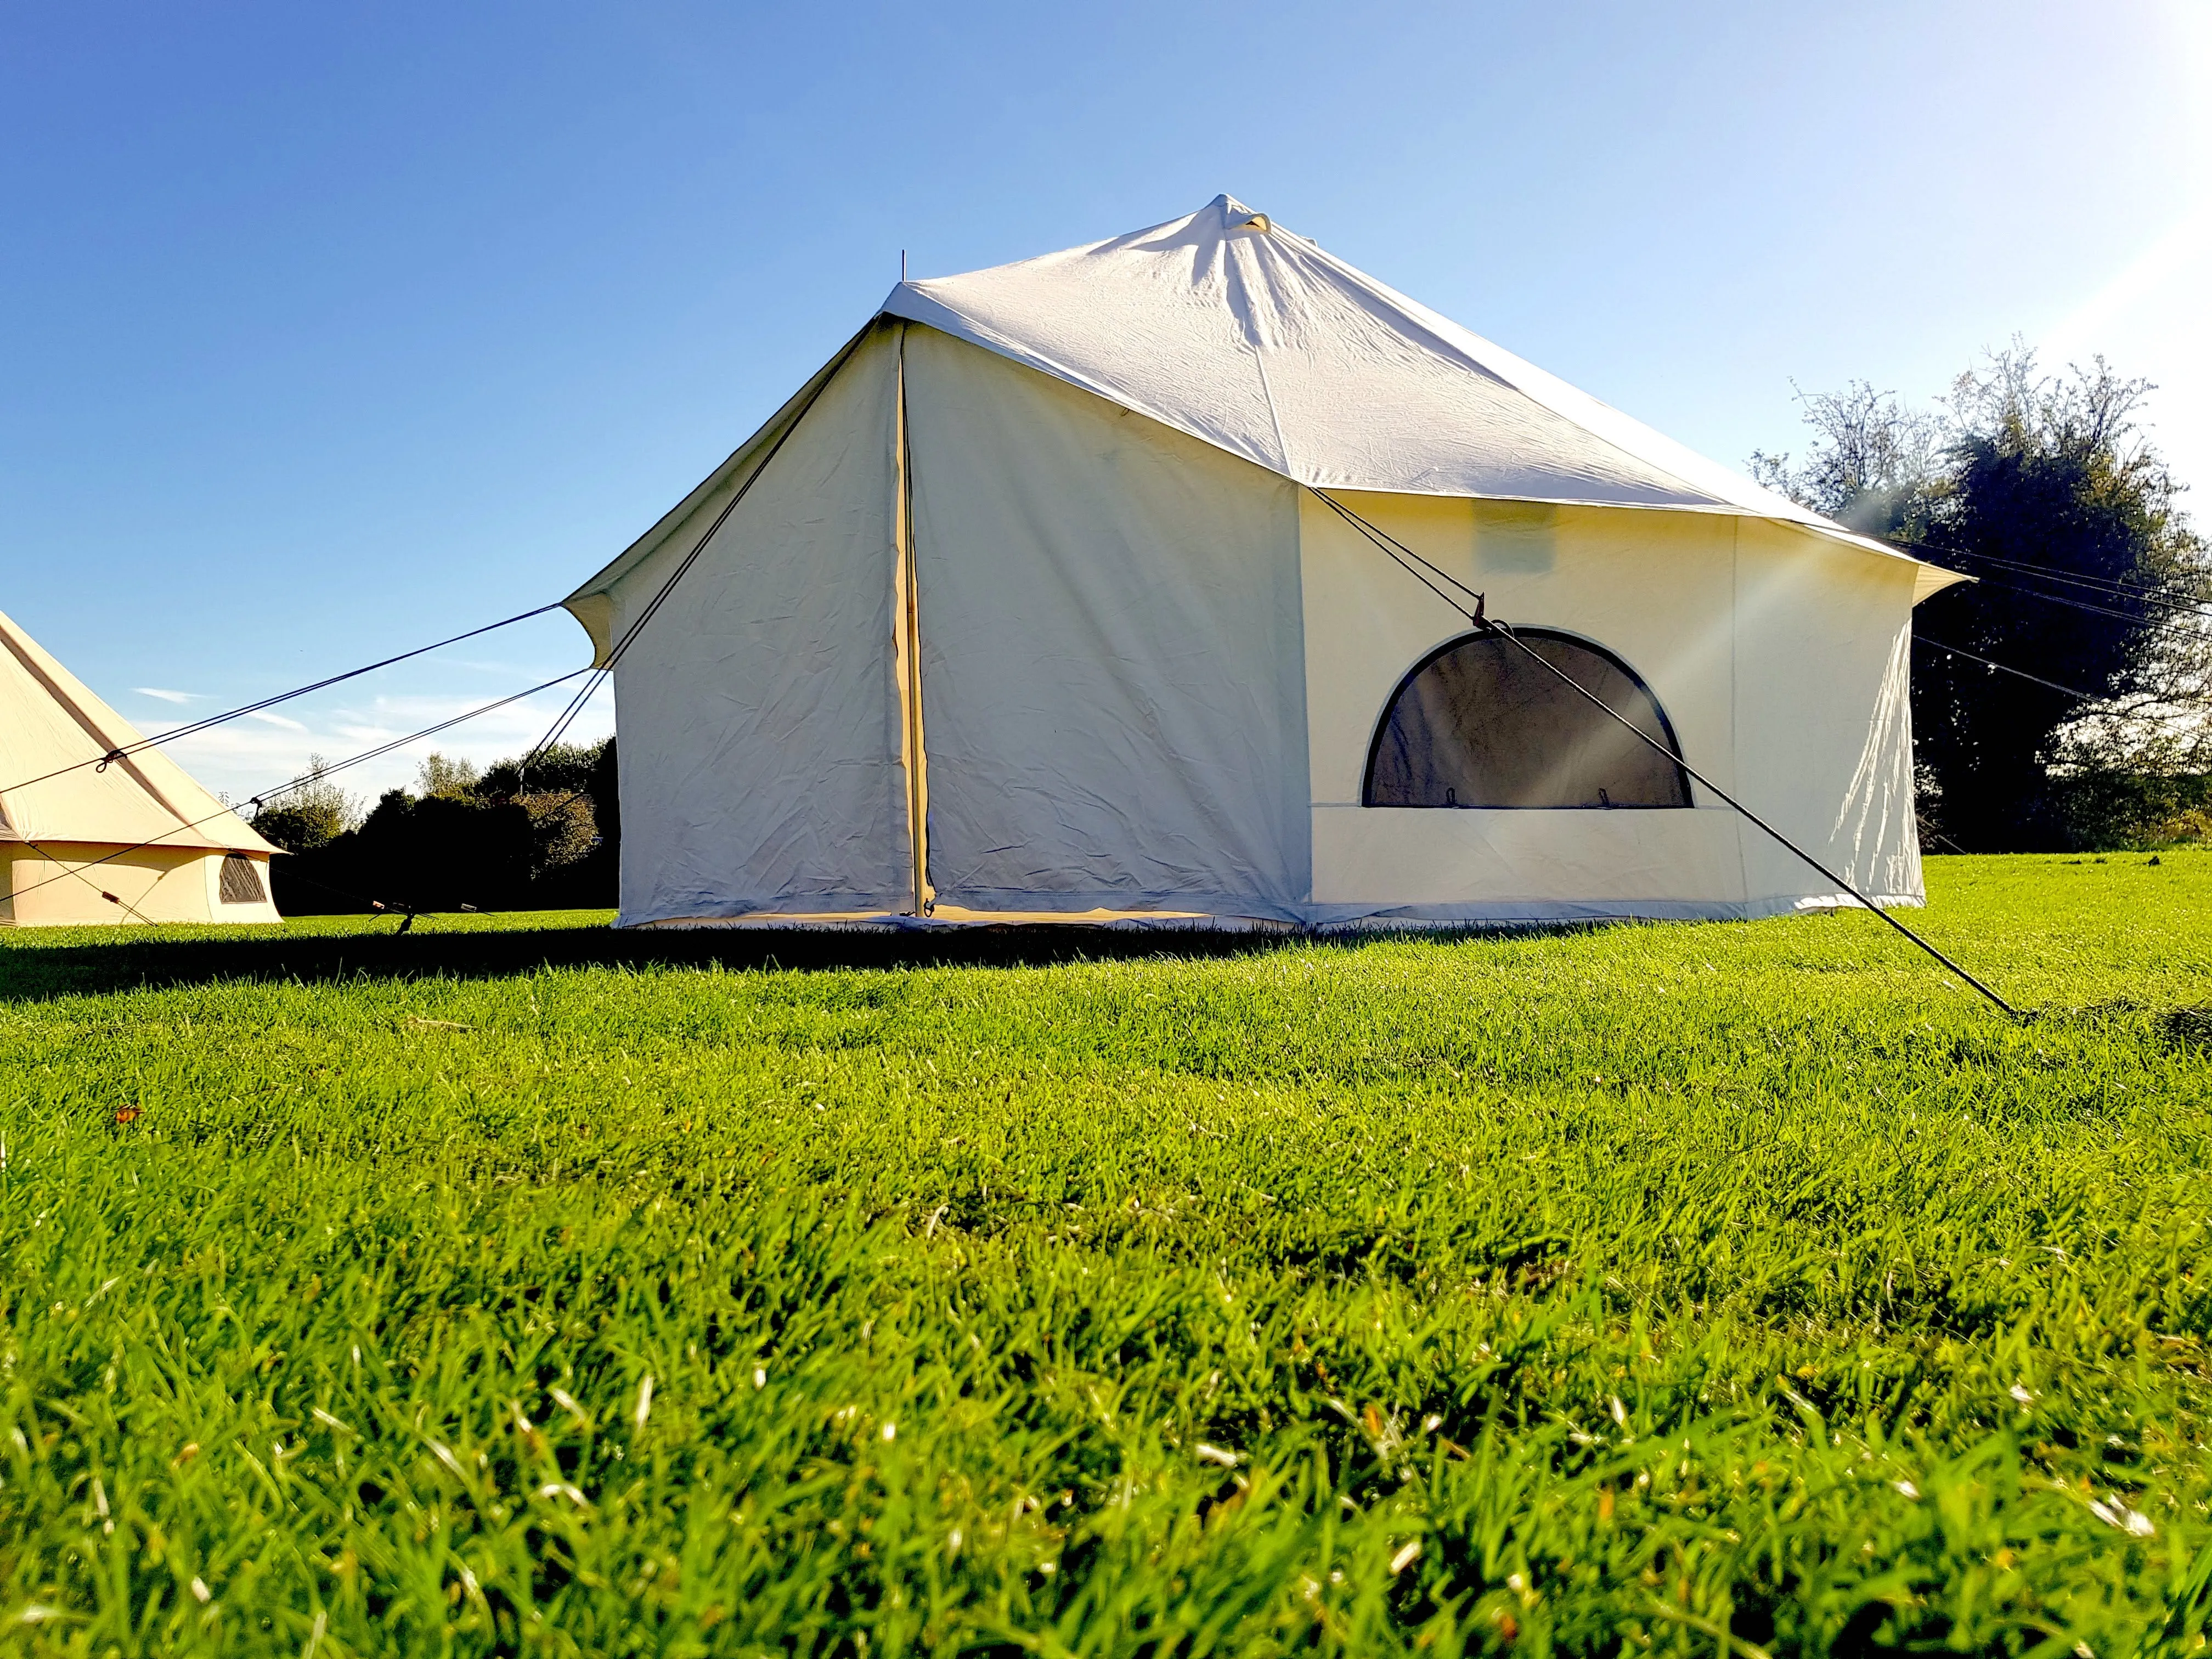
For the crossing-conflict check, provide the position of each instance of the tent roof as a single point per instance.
(49, 720)
(1224, 325)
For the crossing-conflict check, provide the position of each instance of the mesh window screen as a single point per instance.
(242, 882)
(1479, 725)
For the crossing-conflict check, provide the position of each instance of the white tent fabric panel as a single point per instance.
(50, 722)
(1414, 864)
(1825, 718)
(1768, 650)
(1653, 589)
(592, 604)
(1112, 669)
(1226, 326)
(760, 757)
(77, 884)
(1656, 589)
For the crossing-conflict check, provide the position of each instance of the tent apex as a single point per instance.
(1235, 215)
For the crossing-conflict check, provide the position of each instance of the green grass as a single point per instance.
(514, 1286)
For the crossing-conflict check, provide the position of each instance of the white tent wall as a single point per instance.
(1112, 668)
(1823, 651)
(65, 884)
(1792, 701)
(761, 768)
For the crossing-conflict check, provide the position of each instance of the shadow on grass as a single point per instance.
(34, 971)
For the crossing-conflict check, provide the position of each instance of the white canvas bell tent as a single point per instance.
(1037, 601)
(135, 840)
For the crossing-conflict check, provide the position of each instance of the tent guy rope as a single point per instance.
(1492, 626)
(2071, 690)
(2102, 587)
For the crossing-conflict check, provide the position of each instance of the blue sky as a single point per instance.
(325, 332)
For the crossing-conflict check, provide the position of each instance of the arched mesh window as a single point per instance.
(1477, 724)
(240, 882)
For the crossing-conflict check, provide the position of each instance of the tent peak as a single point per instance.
(1235, 215)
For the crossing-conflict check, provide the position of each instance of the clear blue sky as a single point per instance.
(325, 331)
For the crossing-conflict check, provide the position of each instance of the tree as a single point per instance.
(470, 839)
(1872, 462)
(313, 815)
(562, 768)
(443, 777)
(2045, 490)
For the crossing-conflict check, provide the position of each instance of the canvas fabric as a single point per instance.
(85, 844)
(50, 722)
(1780, 661)
(1112, 666)
(59, 884)
(1224, 324)
(760, 763)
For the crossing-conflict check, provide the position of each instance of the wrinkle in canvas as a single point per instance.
(1256, 341)
(1875, 828)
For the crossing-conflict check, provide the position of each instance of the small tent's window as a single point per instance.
(242, 882)
(1479, 724)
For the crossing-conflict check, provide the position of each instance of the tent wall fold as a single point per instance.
(1111, 654)
(760, 767)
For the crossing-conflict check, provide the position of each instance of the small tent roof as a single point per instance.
(1225, 325)
(50, 722)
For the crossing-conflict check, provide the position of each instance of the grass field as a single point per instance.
(514, 1286)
